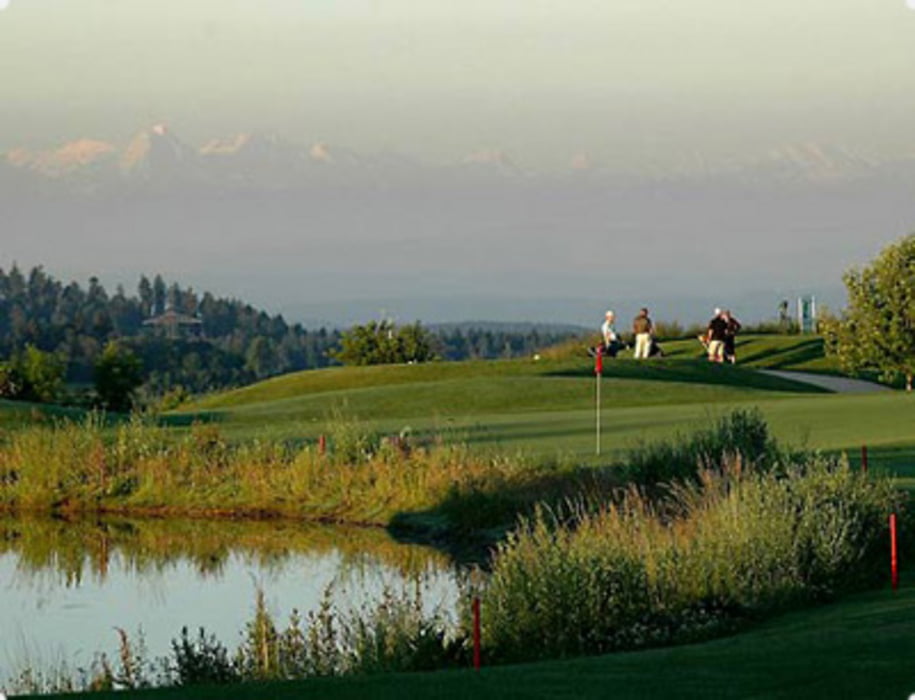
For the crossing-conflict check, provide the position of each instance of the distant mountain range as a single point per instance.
(330, 234)
(158, 156)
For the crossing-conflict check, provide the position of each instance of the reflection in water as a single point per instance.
(66, 584)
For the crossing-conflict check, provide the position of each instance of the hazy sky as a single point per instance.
(634, 84)
(619, 79)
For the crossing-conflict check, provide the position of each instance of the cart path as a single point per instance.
(839, 385)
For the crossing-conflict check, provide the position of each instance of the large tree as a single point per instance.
(381, 342)
(877, 330)
(118, 372)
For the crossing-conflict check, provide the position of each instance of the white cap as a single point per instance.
(717, 311)
(609, 313)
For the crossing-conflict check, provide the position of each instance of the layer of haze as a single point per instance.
(656, 91)
(542, 79)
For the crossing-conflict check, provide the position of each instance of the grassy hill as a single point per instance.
(17, 413)
(547, 406)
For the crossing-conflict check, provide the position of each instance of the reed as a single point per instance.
(395, 633)
(139, 468)
(735, 544)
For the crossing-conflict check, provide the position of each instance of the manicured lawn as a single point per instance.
(441, 396)
(547, 408)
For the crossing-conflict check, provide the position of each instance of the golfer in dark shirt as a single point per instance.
(717, 334)
(730, 337)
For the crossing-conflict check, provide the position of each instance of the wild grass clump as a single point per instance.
(362, 478)
(392, 634)
(742, 433)
(732, 545)
(395, 633)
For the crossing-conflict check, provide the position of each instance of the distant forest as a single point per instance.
(220, 343)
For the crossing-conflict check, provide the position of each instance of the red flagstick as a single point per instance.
(322, 445)
(476, 633)
(894, 562)
(598, 371)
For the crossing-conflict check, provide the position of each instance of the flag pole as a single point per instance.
(598, 371)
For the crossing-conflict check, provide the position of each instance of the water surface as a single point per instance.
(66, 585)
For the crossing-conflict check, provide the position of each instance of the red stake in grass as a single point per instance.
(476, 633)
(864, 458)
(894, 562)
(322, 445)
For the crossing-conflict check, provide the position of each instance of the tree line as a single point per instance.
(236, 343)
(231, 344)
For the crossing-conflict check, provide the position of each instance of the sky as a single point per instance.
(633, 86)
(621, 79)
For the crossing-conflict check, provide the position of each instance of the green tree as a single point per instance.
(10, 381)
(381, 342)
(41, 374)
(877, 330)
(415, 343)
(118, 373)
(259, 358)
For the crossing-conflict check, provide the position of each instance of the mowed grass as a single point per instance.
(802, 353)
(465, 394)
(15, 414)
(861, 647)
(547, 407)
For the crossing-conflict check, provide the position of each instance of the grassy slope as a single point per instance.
(17, 413)
(860, 647)
(547, 407)
(794, 352)
(445, 393)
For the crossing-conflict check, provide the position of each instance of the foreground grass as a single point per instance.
(860, 647)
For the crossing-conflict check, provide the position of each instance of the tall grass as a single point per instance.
(735, 544)
(743, 433)
(395, 633)
(363, 478)
(445, 489)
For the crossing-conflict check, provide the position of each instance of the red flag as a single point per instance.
(599, 363)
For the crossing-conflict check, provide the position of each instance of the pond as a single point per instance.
(67, 585)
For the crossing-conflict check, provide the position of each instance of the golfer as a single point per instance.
(609, 335)
(716, 334)
(642, 327)
(730, 338)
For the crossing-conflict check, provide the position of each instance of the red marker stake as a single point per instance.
(476, 633)
(894, 562)
(322, 445)
(864, 458)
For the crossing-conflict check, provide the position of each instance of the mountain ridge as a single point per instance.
(156, 153)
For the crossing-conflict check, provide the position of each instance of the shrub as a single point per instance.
(381, 342)
(200, 660)
(732, 544)
(32, 375)
(118, 373)
(742, 433)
